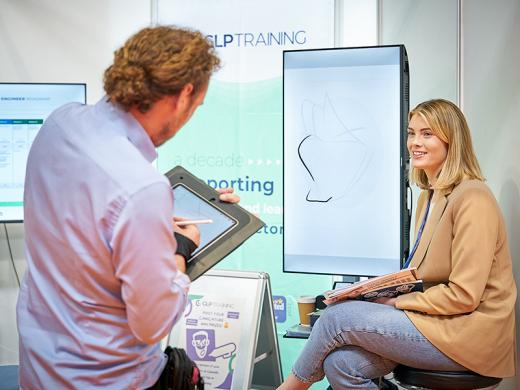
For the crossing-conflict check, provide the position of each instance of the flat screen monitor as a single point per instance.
(23, 109)
(345, 160)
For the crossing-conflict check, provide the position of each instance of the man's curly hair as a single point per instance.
(157, 62)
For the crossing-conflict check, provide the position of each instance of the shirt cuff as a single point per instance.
(183, 281)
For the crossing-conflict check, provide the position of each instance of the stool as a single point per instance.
(414, 378)
(8, 377)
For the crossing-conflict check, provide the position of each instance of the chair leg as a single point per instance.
(386, 384)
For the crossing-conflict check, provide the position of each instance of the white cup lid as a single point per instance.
(306, 299)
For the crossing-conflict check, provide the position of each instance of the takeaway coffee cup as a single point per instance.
(306, 305)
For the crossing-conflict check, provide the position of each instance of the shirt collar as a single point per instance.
(133, 130)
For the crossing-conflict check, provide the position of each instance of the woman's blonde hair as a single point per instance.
(158, 62)
(448, 123)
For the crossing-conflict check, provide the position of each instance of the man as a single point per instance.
(104, 283)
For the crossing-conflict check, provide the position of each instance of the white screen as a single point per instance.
(190, 206)
(342, 163)
(23, 108)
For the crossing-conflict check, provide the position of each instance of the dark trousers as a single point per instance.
(161, 383)
(179, 373)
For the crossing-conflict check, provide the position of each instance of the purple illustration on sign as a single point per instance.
(280, 308)
(200, 343)
(224, 351)
(233, 315)
(227, 382)
(192, 321)
(229, 350)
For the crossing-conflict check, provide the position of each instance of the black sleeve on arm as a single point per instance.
(185, 246)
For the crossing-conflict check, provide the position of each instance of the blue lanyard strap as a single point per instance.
(419, 233)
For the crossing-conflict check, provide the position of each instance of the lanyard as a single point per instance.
(419, 233)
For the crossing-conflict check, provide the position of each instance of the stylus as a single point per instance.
(193, 222)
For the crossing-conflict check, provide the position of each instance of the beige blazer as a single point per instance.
(467, 309)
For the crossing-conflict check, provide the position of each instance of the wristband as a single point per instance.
(185, 246)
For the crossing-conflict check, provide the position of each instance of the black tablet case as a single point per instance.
(247, 224)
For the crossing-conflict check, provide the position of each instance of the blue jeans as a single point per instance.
(354, 342)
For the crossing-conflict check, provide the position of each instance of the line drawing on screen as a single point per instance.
(189, 205)
(334, 154)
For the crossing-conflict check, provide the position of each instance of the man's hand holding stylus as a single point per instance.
(192, 232)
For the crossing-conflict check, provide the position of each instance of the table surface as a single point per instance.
(298, 332)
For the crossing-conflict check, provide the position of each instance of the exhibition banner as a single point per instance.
(235, 138)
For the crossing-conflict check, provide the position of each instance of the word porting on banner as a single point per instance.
(246, 184)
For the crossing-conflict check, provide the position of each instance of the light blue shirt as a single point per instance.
(101, 288)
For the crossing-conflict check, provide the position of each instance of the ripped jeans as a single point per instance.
(354, 342)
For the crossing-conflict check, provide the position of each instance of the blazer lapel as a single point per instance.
(429, 229)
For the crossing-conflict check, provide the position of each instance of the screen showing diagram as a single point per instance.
(23, 109)
(190, 206)
(342, 161)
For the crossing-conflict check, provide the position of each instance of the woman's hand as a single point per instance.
(228, 195)
(386, 301)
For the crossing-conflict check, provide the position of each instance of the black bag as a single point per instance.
(180, 373)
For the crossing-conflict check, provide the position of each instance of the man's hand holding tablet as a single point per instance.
(227, 195)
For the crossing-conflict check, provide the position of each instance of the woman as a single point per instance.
(464, 319)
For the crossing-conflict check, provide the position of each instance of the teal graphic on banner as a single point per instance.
(280, 308)
(243, 149)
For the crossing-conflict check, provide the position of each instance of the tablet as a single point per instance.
(231, 226)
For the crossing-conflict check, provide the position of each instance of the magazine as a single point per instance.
(385, 286)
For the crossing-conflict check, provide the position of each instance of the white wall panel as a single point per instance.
(491, 31)
(428, 29)
(356, 23)
(65, 41)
